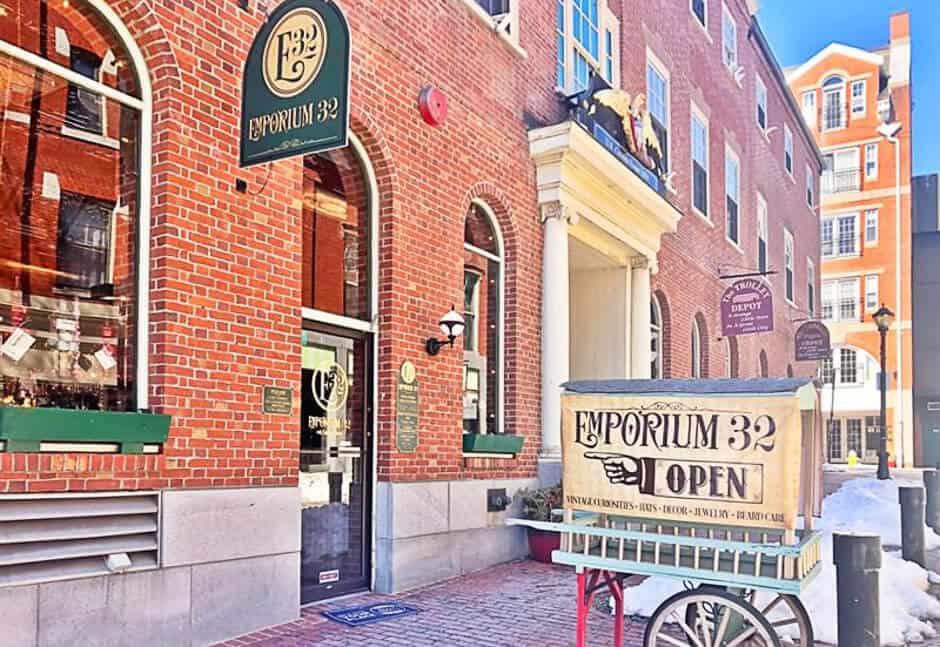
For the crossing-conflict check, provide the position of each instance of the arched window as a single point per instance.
(834, 112)
(789, 370)
(731, 357)
(483, 308)
(74, 208)
(697, 349)
(656, 339)
(762, 360)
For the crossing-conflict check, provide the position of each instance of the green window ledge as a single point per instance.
(24, 429)
(492, 443)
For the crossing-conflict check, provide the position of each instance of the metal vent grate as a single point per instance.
(45, 537)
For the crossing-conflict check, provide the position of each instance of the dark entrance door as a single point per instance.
(335, 472)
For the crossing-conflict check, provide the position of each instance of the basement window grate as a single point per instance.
(48, 537)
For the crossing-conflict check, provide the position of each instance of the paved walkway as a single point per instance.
(520, 604)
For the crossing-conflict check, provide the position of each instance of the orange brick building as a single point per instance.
(858, 103)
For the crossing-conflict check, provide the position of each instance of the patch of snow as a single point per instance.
(864, 505)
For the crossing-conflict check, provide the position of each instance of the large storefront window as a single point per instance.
(68, 211)
(483, 336)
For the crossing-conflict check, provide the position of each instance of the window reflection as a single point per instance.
(336, 235)
(68, 176)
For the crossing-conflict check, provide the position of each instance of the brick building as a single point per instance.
(858, 104)
(145, 275)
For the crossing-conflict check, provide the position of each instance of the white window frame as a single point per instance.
(871, 161)
(729, 50)
(656, 332)
(858, 104)
(788, 149)
(698, 115)
(144, 105)
(703, 25)
(607, 21)
(761, 99)
(505, 25)
(871, 288)
(811, 291)
(831, 90)
(836, 219)
(811, 198)
(763, 234)
(731, 155)
(809, 106)
(788, 266)
(860, 367)
(834, 289)
(696, 349)
(871, 214)
(660, 68)
(499, 259)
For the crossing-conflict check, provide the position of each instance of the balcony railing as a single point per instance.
(841, 181)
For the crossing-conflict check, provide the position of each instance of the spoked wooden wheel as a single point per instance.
(790, 620)
(709, 618)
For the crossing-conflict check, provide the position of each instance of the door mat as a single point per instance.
(370, 614)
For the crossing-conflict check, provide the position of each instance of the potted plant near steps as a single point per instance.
(537, 505)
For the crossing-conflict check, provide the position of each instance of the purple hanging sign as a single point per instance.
(812, 342)
(747, 307)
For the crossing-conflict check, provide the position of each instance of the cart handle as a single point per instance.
(748, 547)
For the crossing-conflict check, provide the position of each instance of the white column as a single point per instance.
(640, 317)
(555, 335)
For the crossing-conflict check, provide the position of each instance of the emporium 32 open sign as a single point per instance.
(721, 460)
(295, 97)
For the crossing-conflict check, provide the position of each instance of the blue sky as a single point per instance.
(797, 29)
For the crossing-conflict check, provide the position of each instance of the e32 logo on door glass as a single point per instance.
(294, 52)
(330, 386)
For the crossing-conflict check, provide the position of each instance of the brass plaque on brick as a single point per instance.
(406, 409)
(278, 401)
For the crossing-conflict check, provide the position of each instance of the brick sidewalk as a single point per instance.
(520, 604)
(517, 604)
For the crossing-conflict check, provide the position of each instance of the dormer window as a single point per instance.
(833, 103)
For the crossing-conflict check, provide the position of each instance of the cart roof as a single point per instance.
(755, 386)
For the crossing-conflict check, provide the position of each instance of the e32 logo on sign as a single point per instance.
(294, 52)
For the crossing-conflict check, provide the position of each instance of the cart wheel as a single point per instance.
(789, 618)
(721, 619)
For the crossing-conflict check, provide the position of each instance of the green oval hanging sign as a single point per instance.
(295, 93)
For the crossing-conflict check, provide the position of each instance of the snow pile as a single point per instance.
(864, 506)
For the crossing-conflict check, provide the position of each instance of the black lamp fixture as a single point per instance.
(883, 319)
(452, 325)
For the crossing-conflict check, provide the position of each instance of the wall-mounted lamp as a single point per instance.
(452, 325)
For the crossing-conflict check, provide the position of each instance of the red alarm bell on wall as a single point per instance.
(433, 105)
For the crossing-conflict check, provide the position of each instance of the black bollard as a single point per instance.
(857, 559)
(912, 524)
(932, 511)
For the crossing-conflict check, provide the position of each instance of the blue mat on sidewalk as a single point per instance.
(369, 614)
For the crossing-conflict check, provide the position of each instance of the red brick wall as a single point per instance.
(690, 259)
(226, 267)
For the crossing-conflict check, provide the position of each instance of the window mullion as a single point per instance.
(72, 77)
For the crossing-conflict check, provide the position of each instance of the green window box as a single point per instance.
(492, 443)
(24, 429)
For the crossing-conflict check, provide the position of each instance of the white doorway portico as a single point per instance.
(602, 228)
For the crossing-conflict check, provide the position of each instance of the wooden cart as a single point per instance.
(698, 480)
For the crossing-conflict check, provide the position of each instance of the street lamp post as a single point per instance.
(883, 319)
